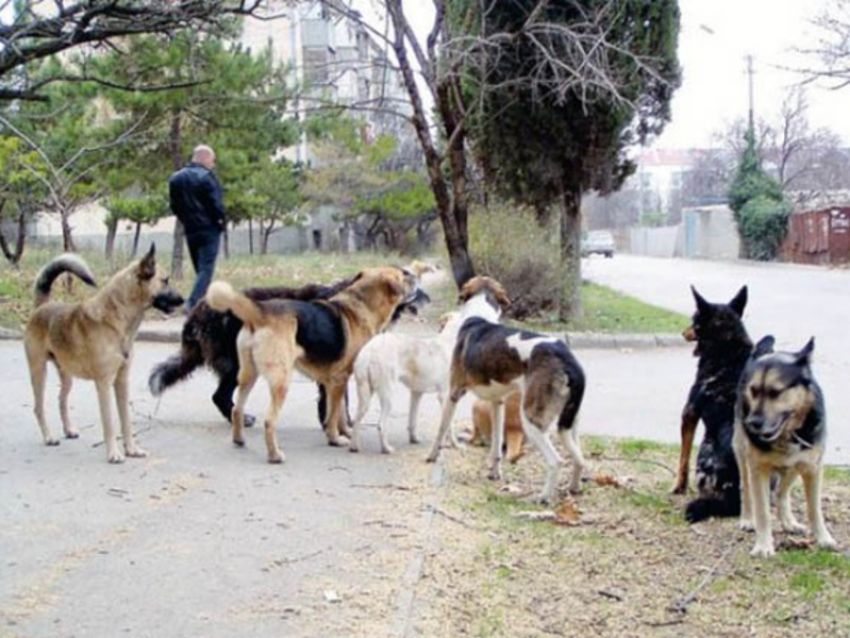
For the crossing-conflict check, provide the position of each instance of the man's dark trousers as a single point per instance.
(203, 249)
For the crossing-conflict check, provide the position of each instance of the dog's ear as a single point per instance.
(147, 267)
(501, 296)
(804, 357)
(394, 288)
(739, 302)
(467, 291)
(763, 347)
(702, 304)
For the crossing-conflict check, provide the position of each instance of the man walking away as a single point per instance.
(196, 200)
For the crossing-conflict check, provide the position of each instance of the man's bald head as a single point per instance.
(205, 156)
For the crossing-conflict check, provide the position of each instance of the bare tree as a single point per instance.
(831, 53)
(41, 29)
(567, 58)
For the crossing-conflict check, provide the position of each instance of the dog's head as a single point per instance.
(489, 289)
(384, 289)
(777, 392)
(153, 286)
(716, 324)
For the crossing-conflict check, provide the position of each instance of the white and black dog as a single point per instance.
(493, 361)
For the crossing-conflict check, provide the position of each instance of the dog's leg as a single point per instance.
(570, 440)
(786, 516)
(247, 378)
(760, 485)
(690, 419)
(364, 397)
(122, 398)
(67, 382)
(278, 387)
(498, 437)
(336, 392)
(113, 453)
(385, 394)
(415, 398)
(812, 477)
(223, 397)
(540, 439)
(38, 375)
(739, 446)
(449, 407)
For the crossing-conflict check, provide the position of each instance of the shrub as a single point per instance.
(508, 244)
(762, 224)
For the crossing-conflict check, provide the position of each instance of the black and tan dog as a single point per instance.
(93, 340)
(494, 361)
(209, 338)
(780, 427)
(723, 348)
(321, 339)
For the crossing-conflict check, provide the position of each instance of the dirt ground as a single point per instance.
(628, 565)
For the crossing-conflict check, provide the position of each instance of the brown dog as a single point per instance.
(321, 338)
(483, 414)
(93, 340)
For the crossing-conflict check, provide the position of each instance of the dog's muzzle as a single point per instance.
(168, 301)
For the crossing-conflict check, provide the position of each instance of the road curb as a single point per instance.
(7, 333)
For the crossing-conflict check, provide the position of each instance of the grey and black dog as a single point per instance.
(780, 427)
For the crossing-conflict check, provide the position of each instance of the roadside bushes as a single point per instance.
(763, 224)
(508, 244)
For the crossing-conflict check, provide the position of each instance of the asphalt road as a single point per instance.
(791, 302)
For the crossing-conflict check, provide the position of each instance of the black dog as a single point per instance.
(723, 348)
(209, 338)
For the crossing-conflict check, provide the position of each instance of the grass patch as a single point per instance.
(837, 564)
(838, 474)
(609, 311)
(634, 448)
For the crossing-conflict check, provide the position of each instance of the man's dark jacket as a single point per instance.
(196, 200)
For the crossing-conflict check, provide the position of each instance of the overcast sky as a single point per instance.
(714, 86)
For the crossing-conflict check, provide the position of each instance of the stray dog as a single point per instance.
(780, 426)
(93, 340)
(482, 426)
(420, 363)
(494, 361)
(209, 338)
(321, 338)
(723, 348)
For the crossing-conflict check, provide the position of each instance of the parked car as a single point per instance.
(600, 242)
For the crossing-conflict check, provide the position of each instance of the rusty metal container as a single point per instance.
(818, 237)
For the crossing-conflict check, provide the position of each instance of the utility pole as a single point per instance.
(750, 73)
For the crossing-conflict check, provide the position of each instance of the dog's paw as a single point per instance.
(680, 488)
(746, 525)
(352, 447)
(762, 550)
(72, 433)
(340, 441)
(414, 440)
(827, 542)
(136, 453)
(238, 442)
(115, 457)
(432, 458)
(51, 442)
(387, 449)
(276, 459)
(495, 474)
(794, 528)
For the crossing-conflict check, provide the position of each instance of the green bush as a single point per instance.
(762, 224)
(508, 244)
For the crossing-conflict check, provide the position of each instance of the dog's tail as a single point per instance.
(222, 297)
(179, 366)
(703, 508)
(61, 264)
(577, 383)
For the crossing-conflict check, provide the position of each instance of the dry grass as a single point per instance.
(631, 567)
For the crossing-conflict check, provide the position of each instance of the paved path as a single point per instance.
(791, 302)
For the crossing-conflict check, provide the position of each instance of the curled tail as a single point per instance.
(179, 366)
(61, 264)
(222, 297)
(729, 504)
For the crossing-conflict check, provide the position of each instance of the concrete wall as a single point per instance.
(654, 242)
(704, 233)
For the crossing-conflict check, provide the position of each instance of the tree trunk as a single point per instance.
(136, 239)
(14, 256)
(265, 233)
(250, 236)
(226, 243)
(569, 307)
(177, 158)
(67, 239)
(111, 232)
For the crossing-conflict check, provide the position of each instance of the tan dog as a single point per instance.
(321, 339)
(483, 415)
(93, 340)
